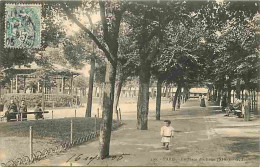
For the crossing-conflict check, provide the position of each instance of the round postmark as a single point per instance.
(22, 26)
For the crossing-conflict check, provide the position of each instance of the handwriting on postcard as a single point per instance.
(90, 159)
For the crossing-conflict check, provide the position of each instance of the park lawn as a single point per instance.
(14, 136)
(58, 129)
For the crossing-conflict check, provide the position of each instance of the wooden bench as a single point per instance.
(238, 113)
(25, 113)
(236, 110)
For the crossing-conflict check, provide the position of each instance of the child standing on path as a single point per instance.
(167, 132)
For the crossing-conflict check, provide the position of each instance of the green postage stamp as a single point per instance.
(22, 26)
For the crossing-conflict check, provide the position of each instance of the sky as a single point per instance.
(71, 28)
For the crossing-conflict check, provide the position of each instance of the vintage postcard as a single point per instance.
(129, 83)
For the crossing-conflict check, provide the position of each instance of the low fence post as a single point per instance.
(31, 143)
(52, 114)
(71, 131)
(98, 112)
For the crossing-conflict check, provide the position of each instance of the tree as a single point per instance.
(146, 22)
(78, 54)
(232, 44)
(81, 82)
(180, 59)
(111, 15)
(127, 62)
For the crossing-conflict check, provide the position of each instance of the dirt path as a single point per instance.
(202, 137)
(14, 140)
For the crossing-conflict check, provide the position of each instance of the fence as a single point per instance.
(64, 146)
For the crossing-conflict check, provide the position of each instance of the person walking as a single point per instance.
(167, 132)
(202, 101)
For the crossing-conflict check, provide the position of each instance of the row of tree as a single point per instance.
(172, 42)
(176, 42)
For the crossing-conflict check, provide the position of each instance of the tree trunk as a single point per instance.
(218, 96)
(242, 94)
(158, 99)
(90, 89)
(179, 102)
(43, 97)
(186, 93)
(247, 100)
(238, 89)
(247, 106)
(215, 94)
(175, 97)
(107, 114)
(257, 101)
(71, 85)
(255, 109)
(229, 92)
(119, 88)
(143, 96)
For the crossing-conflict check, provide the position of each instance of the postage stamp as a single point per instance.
(22, 26)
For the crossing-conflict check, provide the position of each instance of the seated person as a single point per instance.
(228, 110)
(39, 110)
(11, 111)
(23, 109)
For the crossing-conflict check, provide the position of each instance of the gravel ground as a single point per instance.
(203, 137)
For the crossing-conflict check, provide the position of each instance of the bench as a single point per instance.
(236, 109)
(238, 113)
(25, 113)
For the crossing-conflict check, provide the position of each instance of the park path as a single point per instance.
(202, 137)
